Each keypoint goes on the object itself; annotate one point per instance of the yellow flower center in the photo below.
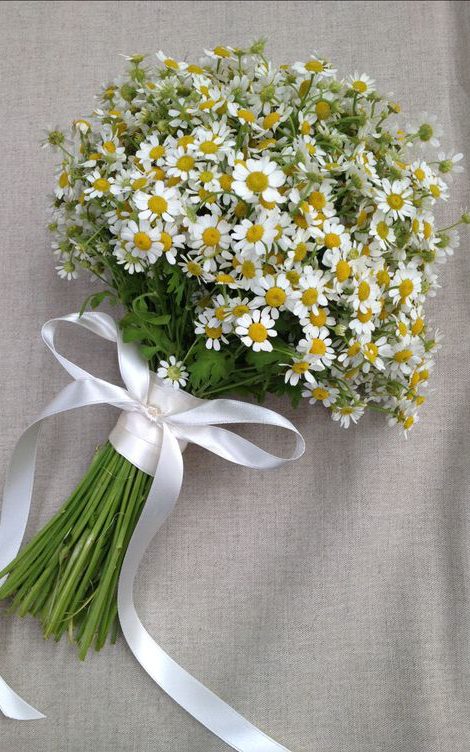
(395, 201)
(382, 229)
(275, 297)
(406, 288)
(257, 332)
(185, 141)
(64, 180)
(435, 190)
(417, 327)
(317, 347)
(305, 128)
(194, 268)
(402, 356)
(170, 63)
(363, 291)
(317, 200)
(239, 310)
(318, 319)
(142, 241)
(332, 240)
(208, 147)
(364, 317)
(419, 173)
(354, 349)
(102, 185)
(371, 352)
(257, 182)
(301, 367)
(309, 296)
(184, 164)
(343, 270)
(255, 233)
(271, 120)
(226, 182)
(220, 313)
(247, 116)
(139, 183)
(314, 66)
(221, 52)
(320, 393)
(211, 236)
(427, 230)
(157, 204)
(383, 277)
(156, 152)
(109, 146)
(323, 109)
(248, 269)
(225, 279)
(300, 251)
(213, 332)
(166, 240)
(359, 86)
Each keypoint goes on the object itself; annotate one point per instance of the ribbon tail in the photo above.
(199, 701)
(13, 706)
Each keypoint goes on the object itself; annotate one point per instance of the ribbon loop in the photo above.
(156, 423)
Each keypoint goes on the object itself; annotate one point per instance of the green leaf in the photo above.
(95, 300)
(211, 367)
(260, 360)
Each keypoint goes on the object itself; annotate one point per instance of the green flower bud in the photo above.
(425, 132)
(465, 218)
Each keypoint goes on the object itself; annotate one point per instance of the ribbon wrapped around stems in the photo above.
(156, 423)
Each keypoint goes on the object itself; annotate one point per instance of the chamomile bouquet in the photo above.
(268, 230)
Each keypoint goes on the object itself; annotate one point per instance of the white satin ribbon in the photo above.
(156, 423)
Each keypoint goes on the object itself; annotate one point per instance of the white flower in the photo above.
(100, 185)
(151, 152)
(381, 228)
(170, 63)
(172, 372)
(210, 234)
(332, 235)
(310, 292)
(257, 236)
(319, 392)
(213, 330)
(161, 202)
(405, 285)
(259, 178)
(130, 261)
(361, 84)
(67, 269)
(169, 241)
(348, 414)
(254, 330)
(180, 164)
(298, 369)
(395, 198)
(141, 240)
(427, 130)
(404, 355)
(318, 348)
(272, 293)
(449, 162)
(314, 67)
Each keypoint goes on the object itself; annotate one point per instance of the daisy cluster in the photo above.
(268, 228)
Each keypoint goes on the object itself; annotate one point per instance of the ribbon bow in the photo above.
(155, 424)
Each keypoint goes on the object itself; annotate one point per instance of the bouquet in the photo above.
(268, 230)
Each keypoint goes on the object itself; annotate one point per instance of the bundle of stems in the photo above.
(67, 575)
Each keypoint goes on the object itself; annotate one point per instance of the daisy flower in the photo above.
(381, 229)
(310, 293)
(300, 368)
(405, 285)
(272, 293)
(100, 185)
(169, 241)
(173, 372)
(332, 235)
(141, 240)
(318, 348)
(361, 84)
(180, 164)
(319, 392)
(213, 330)
(348, 414)
(257, 236)
(426, 129)
(258, 178)
(255, 329)
(395, 198)
(210, 234)
(151, 152)
(161, 202)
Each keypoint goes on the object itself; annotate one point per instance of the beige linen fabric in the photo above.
(327, 602)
